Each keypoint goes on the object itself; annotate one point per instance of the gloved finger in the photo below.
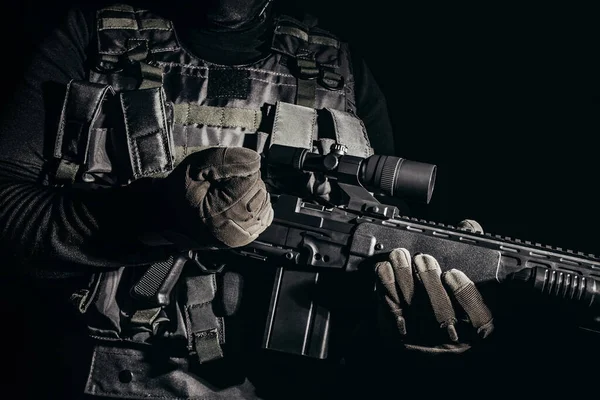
(403, 275)
(217, 163)
(470, 225)
(396, 279)
(429, 273)
(470, 299)
(386, 283)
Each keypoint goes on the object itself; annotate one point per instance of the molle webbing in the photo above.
(285, 124)
(298, 126)
(81, 107)
(122, 28)
(294, 38)
(127, 34)
(314, 53)
(148, 135)
(306, 81)
(224, 117)
(306, 37)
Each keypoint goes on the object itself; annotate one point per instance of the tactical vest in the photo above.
(147, 104)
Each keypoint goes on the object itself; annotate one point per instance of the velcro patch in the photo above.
(228, 83)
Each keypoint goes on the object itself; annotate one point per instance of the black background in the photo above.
(496, 94)
(501, 96)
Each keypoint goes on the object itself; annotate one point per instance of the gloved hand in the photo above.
(417, 305)
(218, 192)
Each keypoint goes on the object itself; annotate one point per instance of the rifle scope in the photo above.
(389, 175)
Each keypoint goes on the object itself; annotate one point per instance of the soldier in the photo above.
(136, 136)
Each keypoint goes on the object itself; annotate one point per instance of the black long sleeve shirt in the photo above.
(54, 228)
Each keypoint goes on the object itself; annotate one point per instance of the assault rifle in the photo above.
(311, 244)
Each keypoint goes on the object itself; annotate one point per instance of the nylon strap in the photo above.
(137, 49)
(305, 96)
(204, 328)
(81, 107)
(224, 117)
(117, 23)
(306, 82)
(152, 77)
(294, 125)
(149, 138)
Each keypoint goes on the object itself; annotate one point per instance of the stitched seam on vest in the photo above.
(165, 133)
(313, 130)
(155, 29)
(89, 379)
(187, 133)
(193, 76)
(364, 131)
(164, 49)
(269, 72)
(190, 66)
(272, 83)
(150, 21)
(200, 304)
(108, 339)
(128, 11)
(61, 128)
(117, 52)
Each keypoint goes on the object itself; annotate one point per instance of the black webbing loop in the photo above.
(331, 80)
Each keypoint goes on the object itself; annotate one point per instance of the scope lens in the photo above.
(398, 177)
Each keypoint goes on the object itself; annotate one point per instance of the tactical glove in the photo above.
(217, 193)
(417, 305)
